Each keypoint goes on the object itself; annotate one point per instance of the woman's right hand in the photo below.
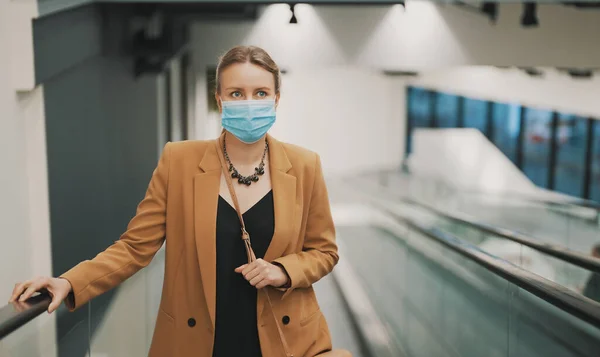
(58, 288)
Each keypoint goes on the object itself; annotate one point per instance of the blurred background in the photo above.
(460, 142)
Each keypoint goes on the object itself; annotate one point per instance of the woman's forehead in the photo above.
(241, 75)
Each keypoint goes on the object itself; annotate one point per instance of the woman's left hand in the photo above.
(261, 273)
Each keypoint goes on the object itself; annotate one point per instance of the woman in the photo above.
(214, 302)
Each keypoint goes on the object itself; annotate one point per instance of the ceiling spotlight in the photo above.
(532, 71)
(491, 10)
(293, 19)
(529, 18)
(578, 72)
(486, 8)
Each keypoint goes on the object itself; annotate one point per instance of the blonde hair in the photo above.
(251, 54)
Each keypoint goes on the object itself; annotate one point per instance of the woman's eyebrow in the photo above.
(241, 89)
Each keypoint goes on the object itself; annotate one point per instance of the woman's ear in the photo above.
(277, 100)
(219, 103)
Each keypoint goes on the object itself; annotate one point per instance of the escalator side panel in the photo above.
(430, 294)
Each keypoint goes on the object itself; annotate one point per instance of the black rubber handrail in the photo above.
(576, 258)
(570, 201)
(563, 298)
(15, 315)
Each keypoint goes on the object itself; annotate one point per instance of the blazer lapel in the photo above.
(206, 199)
(284, 200)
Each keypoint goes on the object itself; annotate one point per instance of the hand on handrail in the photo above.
(21, 306)
(58, 288)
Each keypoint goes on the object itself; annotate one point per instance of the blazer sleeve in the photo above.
(319, 252)
(135, 249)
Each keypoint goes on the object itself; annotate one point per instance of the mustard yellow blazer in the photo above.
(180, 207)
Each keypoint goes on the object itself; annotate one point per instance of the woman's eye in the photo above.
(261, 94)
(236, 94)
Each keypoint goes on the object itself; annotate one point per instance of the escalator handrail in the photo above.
(568, 201)
(563, 298)
(571, 201)
(15, 315)
(576, 258)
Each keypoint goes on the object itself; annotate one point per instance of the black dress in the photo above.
(236, 331)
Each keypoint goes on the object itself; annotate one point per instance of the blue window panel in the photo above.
(419, 111)
(475, 114)
(536, 145)
(571, 143)
(506, 118)
(595, 179)
(446, 110)
(420, 107)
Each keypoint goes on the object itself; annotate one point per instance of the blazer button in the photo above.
(191, 322)
(285, 320)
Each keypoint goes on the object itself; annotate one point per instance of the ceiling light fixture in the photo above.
(486, 8)
(578, 72)
(532, 71)
(293, 19)
(529, 18)
(491, 10)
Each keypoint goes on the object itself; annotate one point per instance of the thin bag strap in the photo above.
(246, 238)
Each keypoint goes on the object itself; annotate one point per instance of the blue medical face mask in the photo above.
(248, 120)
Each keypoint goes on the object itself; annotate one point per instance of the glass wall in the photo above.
(570, 145)
(420, 102)
(447, 110)
(558, 151)
(420, 107)
(506, 121)
(536, 145)
(475, 114)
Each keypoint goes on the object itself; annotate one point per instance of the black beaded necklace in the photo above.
(258, 171)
